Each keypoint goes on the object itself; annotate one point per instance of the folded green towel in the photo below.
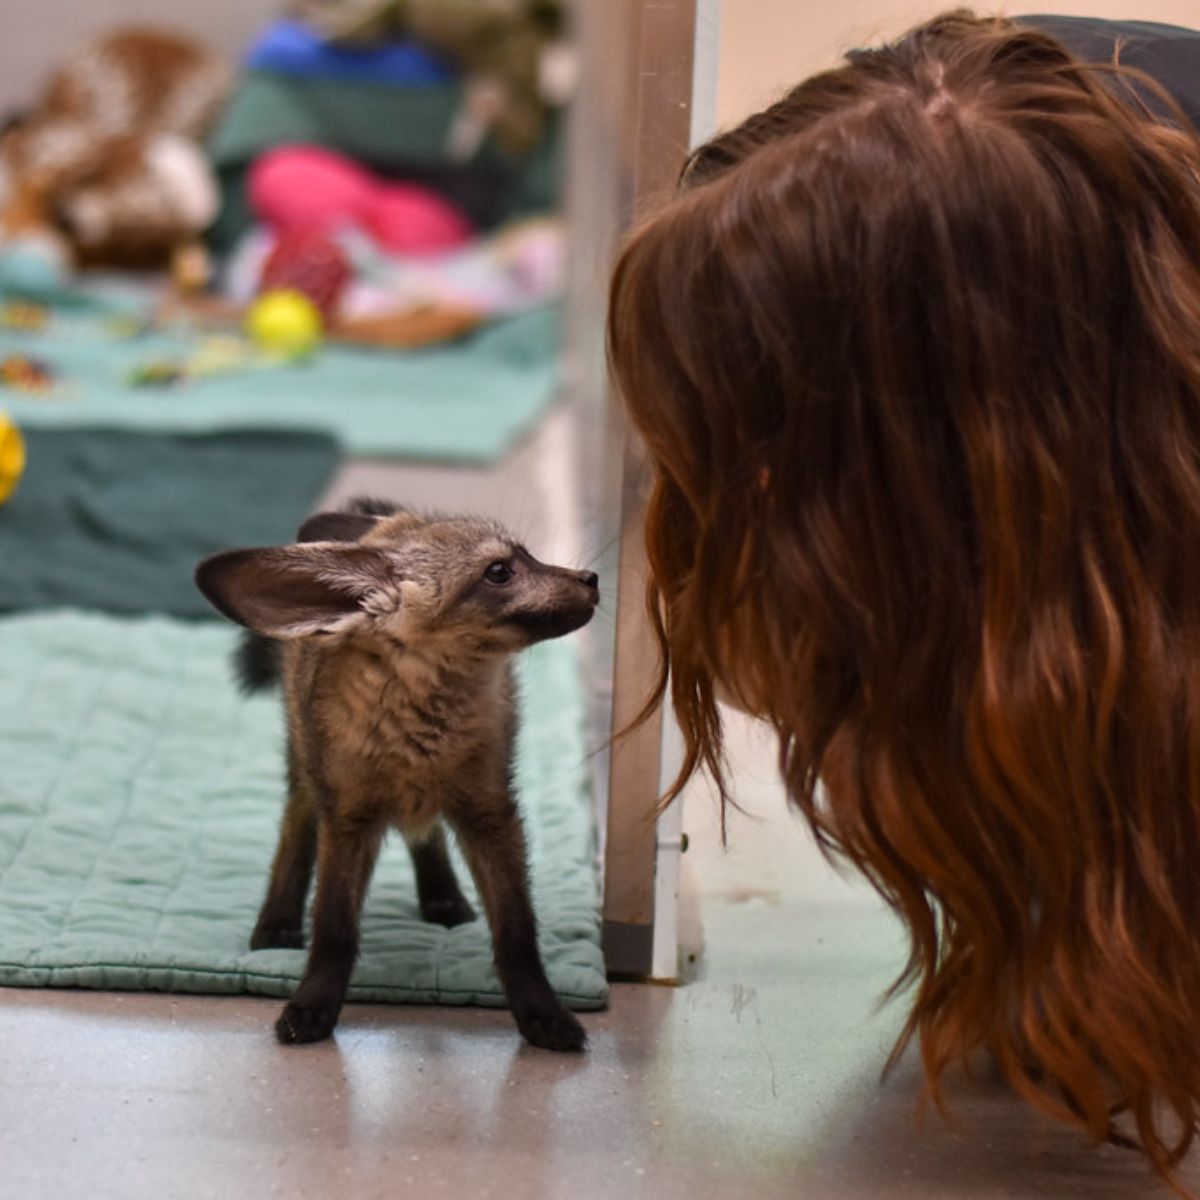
(117, 520)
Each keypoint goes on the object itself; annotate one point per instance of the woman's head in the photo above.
(916, 357)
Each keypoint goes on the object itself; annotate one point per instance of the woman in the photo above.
(916, 356)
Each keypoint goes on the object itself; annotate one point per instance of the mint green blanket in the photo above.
(139, 797)
(465, 402)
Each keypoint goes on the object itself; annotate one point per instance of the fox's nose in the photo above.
(589, 579)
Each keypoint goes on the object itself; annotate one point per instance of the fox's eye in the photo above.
(498, 573)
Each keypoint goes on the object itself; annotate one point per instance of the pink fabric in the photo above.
(305, 188)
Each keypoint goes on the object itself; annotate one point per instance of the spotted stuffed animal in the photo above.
(110, 158)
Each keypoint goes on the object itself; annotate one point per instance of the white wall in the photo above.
(36, 34)
(766, 46)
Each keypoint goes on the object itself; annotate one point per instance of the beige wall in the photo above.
(37, 33)
(768, 45)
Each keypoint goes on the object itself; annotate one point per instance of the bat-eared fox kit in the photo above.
(392, 636)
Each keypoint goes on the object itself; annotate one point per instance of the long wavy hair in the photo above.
(915, 354)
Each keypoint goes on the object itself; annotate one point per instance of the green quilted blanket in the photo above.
(139, 797)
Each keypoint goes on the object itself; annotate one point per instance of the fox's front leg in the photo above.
(493, 843)
(345, 859)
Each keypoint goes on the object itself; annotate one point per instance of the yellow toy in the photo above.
(285, 322)
(12, 457)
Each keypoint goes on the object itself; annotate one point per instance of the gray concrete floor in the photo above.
(757, 1077)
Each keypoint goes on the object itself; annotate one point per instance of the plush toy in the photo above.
(307, 188)
(308, 262)
(109, 161)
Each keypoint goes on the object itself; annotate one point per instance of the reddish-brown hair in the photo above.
(916, 355)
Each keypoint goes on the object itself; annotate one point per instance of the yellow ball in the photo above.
(12, 457)
(285, 322)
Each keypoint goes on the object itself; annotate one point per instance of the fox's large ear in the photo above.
(335, 527)
(351, 523)
(298, 591)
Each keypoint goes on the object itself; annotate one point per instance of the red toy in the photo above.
(306, 261)
(306, 188)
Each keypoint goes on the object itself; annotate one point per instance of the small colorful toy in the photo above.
(12, 457)
(158, 374)
(127, 326)
(191, 267)
(221, 355)
(308, 262)
(213, 356)
(285, 322)
(20, 373)
(23, 316)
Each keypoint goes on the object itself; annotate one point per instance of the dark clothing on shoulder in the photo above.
(1169, 54)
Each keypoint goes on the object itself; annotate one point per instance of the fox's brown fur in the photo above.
(397, 636)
